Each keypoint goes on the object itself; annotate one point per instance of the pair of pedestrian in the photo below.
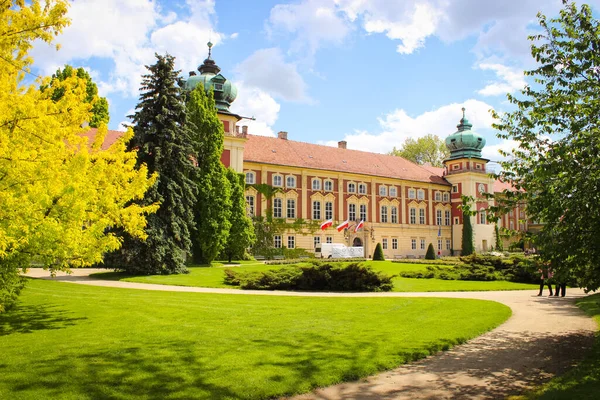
(545, 276)
(562, 287)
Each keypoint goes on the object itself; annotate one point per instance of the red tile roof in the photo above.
(110, 138)
(269, 150)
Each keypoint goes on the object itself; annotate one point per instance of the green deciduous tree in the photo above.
(557, 129)
(428, 149)
(59, 193)
(99, 112)
(163, 144)
(266, 227)
(213, 206)
(241, 234)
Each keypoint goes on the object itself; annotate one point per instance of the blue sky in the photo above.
(371, 72)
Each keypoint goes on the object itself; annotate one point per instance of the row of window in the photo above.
(327, 185)
(387, 213)
(423, 243)
(291, 241)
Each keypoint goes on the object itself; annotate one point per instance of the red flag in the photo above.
(326, 224)
(360, 225)
(343, 225)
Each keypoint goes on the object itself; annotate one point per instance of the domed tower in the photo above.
(225, 93)
(466, 171)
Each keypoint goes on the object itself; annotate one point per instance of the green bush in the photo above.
(378, 254)
(353, 277)
(440, 261)
(477, 267)
(430, 255)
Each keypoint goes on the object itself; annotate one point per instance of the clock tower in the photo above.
(466, 170)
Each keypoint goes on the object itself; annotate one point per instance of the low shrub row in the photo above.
(315, 261)
(353, 277)
(439, 261)
(474, 267)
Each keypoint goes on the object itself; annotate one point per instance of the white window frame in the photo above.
(438, 196)
(275, 183)
(277, 241)
(328, 239)
(316, 241)
(447, 215)
(316, 184)
(328, 185)
(291, 242)
(438, 217)
(413, 244)
(383, 214)
(362, 212)
(420, 194)
(412, 193)
(393, 191)
(454, 188)
(351, 187)
(394, 214)
(422, 217)
(384, 243)
(250, 178)
(290, 208)
(448, 244)
(316, 210)
(250, 201)
(383, 190)
(440, 245)
(277, 207)
(290, 181)
(394, 243)
(328, 210)
(423, 244)
(446, 197)
(413, 215)
(362, 188)
(482, 217)
(352, 211)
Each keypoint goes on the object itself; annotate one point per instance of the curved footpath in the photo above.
(543, 337)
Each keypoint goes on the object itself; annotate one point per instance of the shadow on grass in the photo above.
(28, 319)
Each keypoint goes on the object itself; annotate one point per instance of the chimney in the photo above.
(244, 130)
(282, 135)
(342, 144)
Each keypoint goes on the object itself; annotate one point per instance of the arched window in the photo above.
(482, 217)
(277, 181)
(250, 180)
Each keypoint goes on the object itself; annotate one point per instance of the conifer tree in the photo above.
(163, 144)
(467, 234)
(213, 205)
(241, 233)
(378, 253)
(430, 255)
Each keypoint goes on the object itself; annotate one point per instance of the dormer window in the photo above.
(290, 181)
(218, 86)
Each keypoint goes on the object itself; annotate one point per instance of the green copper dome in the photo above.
(465, 142)
(224, 90)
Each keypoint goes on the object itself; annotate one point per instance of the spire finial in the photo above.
(463, 110)
(210, 45)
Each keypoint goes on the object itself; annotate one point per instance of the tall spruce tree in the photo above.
(213, 205)
(241, 234)
(163, 144)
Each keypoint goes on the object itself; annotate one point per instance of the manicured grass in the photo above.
(583, 381)
(69, 341)
(213, 277)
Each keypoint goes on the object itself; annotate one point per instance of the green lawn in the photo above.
(582, 382)
(68, 341)
(213, 277)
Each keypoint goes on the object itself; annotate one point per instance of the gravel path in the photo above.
(543, 337)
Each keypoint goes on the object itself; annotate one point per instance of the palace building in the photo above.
(392, 201)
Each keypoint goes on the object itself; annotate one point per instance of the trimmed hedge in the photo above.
(430, 255)
(353, 277)
(428, 262)
(474, 267)
(378, 253)
(313, 261)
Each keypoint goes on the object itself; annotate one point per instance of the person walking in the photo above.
(546, 275)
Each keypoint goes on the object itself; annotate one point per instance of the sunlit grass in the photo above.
(67, 341)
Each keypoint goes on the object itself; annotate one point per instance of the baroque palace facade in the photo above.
(385, 199)
(402, 205)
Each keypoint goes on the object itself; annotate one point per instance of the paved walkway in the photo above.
(544, 337)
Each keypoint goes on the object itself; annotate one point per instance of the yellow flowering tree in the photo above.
(60, 191)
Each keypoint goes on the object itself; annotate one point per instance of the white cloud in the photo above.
(234, 35)
(397, 126)
(315, 23)
(253, 102)
(267, 70)
(511, 79)
(492, 152)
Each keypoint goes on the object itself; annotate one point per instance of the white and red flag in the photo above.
(360, 225)
(326, 224)
(343, 225)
